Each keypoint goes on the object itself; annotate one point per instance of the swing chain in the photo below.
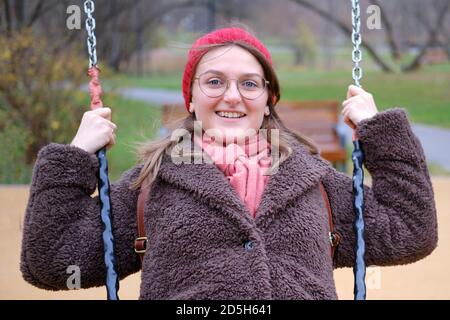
(356, 40)
(90, 28)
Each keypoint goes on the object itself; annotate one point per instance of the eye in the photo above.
(249, 84)
(214, 82)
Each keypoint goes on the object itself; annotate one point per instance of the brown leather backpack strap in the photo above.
(140, 244)
(335, 238)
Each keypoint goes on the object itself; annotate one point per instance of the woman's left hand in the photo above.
(358, 106)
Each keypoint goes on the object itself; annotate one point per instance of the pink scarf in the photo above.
(243, 165)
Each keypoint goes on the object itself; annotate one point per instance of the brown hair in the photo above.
(150, 153)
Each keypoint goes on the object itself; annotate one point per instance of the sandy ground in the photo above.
(426, 279)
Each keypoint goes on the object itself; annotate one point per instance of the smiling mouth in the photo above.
(230, 115)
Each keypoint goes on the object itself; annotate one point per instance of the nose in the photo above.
(232, 94)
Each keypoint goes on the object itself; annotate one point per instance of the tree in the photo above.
(304, 45)
(434, 28)
(38, 92)
(120, 32)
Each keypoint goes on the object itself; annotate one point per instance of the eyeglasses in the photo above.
(214, 85)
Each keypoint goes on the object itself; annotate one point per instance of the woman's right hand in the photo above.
(96, 131)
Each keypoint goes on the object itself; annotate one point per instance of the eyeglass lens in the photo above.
(214, 85)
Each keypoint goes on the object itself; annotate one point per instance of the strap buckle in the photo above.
(335, 238)
(140, 245)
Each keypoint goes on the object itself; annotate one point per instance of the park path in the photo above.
(435, 140)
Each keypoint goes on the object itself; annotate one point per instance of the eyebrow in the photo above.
(222, 74)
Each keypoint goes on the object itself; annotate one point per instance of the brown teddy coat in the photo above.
(203, 243)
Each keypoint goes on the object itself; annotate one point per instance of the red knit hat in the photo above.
(216, 37)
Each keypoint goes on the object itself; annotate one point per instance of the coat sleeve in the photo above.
(63, 226)
(400, 212)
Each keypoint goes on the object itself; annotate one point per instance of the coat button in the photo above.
(249, 246)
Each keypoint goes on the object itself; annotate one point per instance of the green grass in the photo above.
(171, 81)
(136, 122)
(425, 95)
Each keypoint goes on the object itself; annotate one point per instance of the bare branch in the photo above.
(421, 17)
(395, 52)
(347, 30)
(7, 16)
(19, 12)
(432, 38)
(36, 13)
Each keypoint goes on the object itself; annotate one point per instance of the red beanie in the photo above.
(216, 37)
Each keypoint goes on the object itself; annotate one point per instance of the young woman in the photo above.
(249, 221)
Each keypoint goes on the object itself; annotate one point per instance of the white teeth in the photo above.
(231, 114)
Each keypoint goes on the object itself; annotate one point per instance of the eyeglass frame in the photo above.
(266, 82)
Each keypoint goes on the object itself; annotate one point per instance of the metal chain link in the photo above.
(90, 28)
(356, 40)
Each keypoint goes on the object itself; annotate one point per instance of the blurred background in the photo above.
(141, 49)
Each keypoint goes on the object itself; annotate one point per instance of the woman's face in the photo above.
(219, 64)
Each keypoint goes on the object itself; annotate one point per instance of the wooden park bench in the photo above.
(318, 120)
(314, 119)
